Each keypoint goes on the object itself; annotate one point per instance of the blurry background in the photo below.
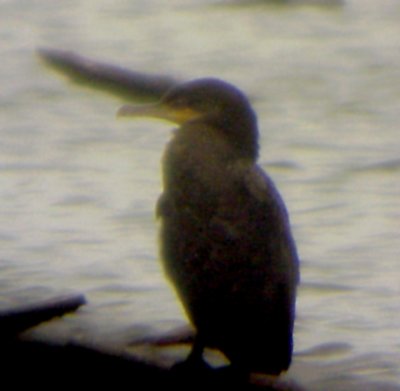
(78, 187)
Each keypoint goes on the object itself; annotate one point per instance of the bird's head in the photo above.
(210, 101)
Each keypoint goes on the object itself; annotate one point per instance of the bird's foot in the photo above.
(231, 375)
(192, 366)
(192, 373)
(200, 373)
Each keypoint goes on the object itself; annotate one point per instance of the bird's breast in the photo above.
(197, 168)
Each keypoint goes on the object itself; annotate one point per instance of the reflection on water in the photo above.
(78, 188)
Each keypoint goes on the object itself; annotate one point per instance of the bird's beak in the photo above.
(159, 111)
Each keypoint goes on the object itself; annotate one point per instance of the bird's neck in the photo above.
(240, 131)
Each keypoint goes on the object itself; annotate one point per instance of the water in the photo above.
(78, 187)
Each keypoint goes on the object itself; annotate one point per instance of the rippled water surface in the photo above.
(78, 187)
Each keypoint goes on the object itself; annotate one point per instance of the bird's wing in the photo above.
(255, 217)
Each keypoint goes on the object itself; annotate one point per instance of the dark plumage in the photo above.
(226, 242)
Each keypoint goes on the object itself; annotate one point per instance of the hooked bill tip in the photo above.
(125, 111)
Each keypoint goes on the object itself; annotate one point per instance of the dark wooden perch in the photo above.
(13, 321)
(123, 83)
(26, 361)
(44, 364)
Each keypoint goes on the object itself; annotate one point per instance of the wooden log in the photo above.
(44, 364)
(13, 321)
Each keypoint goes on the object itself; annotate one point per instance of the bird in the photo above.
(226, 241)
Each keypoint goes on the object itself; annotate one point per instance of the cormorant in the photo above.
(226, 242)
